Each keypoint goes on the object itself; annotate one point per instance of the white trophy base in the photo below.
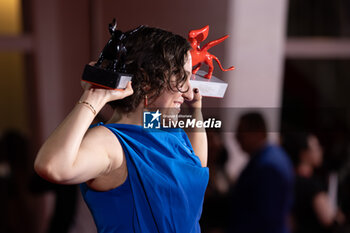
(213, 87)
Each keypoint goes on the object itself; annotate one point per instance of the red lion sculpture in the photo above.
(200, 55)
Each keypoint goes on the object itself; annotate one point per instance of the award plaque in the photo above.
(109, 71)
(213, 87)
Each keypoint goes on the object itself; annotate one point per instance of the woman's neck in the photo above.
(131, 118)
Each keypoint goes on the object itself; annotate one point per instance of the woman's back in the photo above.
(112, 210)
(164, 189)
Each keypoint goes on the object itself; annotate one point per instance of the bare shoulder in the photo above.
(99, 133)
(102, 139)
(116, 174)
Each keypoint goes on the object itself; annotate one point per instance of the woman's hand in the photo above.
(196, 101)
(103, 96)
(98, 97)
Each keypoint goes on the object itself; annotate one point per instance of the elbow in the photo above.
(49, 172)
(46, 172)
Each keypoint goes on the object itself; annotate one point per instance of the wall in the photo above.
(13, 102)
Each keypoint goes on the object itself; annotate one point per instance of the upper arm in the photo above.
(199, 144)
(99, 153)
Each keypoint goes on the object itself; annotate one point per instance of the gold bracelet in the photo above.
(88, 105)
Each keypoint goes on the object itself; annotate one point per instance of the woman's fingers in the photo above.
(196, 94)
(85, 85)
(196, 102)
(197, 98)
(126, 92)
(109, 95)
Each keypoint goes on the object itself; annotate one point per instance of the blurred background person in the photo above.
(313, 209)
(262, 197)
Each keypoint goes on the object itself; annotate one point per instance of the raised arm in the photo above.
(198, 137)
(72, 153)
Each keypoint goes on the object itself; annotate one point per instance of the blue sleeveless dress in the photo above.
(164, 189)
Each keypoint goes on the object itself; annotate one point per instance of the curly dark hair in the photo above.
(153, 57)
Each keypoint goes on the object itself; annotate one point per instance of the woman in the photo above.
(135, 180)
(313, 211)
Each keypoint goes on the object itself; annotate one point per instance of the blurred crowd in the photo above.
(285, 186)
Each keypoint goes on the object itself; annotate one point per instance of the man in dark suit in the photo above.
(262, 197)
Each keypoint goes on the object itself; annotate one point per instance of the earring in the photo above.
(145, 101)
